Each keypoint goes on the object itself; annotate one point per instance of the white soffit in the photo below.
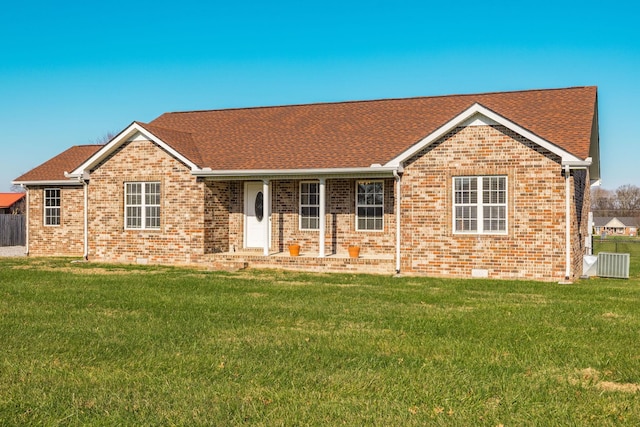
(134, 132)
(478, 120)
(138, 136)
(478, 115)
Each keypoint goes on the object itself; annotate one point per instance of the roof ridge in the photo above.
(307, 104)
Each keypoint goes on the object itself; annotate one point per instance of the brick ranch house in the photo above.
(489, 185)
(622, 225)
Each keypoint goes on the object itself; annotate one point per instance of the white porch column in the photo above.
(398, 216)
(267, 215)
(323, 219)
(567, 196)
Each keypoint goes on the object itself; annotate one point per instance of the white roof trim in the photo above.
(465, 118)
(57, 183)
(373, 171)
(126, 135)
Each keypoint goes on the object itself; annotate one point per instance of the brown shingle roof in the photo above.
(345, 134)
(358, 134)
(54, 169)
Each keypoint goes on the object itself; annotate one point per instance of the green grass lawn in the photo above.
(89, 344)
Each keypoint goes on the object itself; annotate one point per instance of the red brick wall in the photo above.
(181, 236)
(534, 245)
(216, 217)
(65, 239)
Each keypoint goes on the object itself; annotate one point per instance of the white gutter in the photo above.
(26, 234)
(266, 207)
(568, 165)
(323, 219)
(83, 179)
(398, 234)
(242, 173)
(86, 220)
(578, 164)
(54, 182)
(567, 272)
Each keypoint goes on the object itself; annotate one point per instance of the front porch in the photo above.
(335, 263)
(251, 224)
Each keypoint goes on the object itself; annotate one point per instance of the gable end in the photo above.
(478, 115)
(135, 131)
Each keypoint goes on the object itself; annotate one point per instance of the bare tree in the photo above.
(602, 200)
(628, 199)
(104, 139)
(15, 188)
(624, 201)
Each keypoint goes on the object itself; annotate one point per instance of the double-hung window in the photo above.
(309, 205)
(51, 206)
(369, 205)
(142, 205)
(480, 204)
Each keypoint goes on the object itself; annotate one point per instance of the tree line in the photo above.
(621, 202)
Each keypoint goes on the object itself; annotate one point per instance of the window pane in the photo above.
(309, 205)
(480, 206)
(152, 216)
(134, 217)
(494, 218)
(52, 206)
(142, 205)
(466, 218)
(370, 205)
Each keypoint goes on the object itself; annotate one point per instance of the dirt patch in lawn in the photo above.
(590, 377)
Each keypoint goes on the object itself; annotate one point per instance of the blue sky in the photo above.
(70, 72)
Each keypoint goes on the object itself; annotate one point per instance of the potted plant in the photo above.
(354, 251)
(294, 249)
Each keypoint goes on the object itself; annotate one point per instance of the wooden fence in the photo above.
(12, 230)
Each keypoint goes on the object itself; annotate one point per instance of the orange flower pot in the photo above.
(294, 249)
(354, 251)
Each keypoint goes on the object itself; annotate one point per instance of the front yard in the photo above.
(90, 344)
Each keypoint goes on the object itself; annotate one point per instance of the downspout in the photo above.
(567, 166)
(86, 220)
(26, 231)
(567, 194)
(398, 236)
(266, 206)
(323, 219)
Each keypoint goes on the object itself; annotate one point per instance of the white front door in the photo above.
(254, 215)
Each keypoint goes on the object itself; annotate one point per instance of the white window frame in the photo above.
(301, 217)
(144, 205)
(493, 199)
(49, 209)
(365, 205)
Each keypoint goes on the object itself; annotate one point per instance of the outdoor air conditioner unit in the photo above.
(613, 265)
